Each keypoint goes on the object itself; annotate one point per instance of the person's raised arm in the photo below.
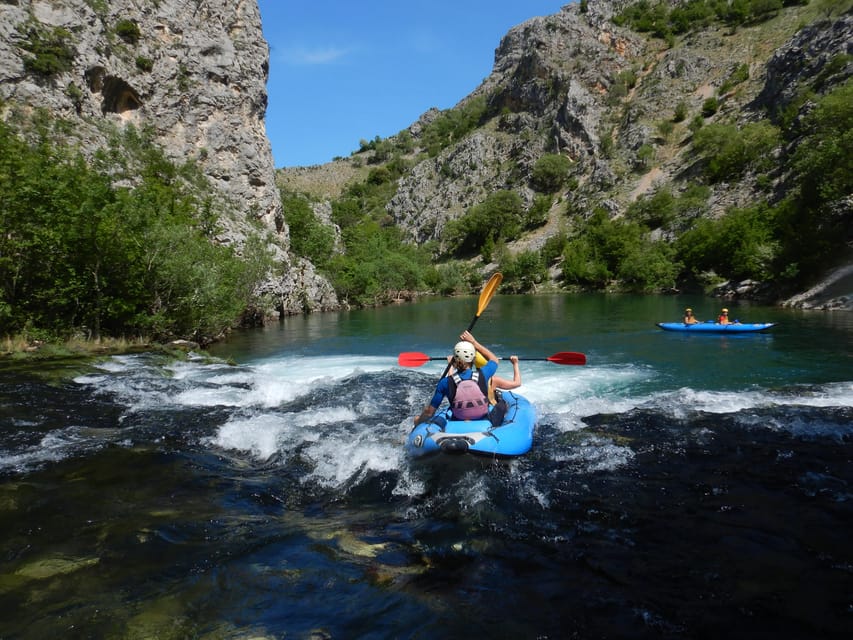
(479, 347)
(503, 383)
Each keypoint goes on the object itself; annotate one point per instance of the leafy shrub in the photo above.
(454, 124)
(537, 215)
(523, 271)
(51, 49)
(729, 151)
(655, 211)
(739, 245)
(128, 31)
(553, 247)
(605, 251)
(376, 265)
(78, 253)
(696, 123)
(814, 225)
(710, 107)
(144, 64)
(550, 172)
(739, 75)
(645, 156)
(498, 217)
(663, 21)
(309, 237)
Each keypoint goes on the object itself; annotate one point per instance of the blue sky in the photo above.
(342, 71)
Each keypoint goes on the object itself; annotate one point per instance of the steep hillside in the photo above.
(193, 74)
(624, 107)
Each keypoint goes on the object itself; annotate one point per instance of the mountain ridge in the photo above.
(555, 88)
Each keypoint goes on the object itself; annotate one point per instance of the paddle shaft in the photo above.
(485, 297)
(416, 359)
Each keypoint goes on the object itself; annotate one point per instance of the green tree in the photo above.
(604, 252)
(741, 244)
(309, 237)
(499, 217)
(550, 172)
(730, 151)
(814, 223)
(81, 254)
(522, 272)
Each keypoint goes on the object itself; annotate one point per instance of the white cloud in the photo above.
(301, 56)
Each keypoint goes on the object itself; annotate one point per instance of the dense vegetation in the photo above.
(81, 254)
(123, 245)
(665, 21)
(663, 241)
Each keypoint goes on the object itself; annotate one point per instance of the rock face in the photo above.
(555, 88)
(193, 71)
(573, 83)
(550, 77)
(808, 54)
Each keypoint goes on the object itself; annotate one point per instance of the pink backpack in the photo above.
(468, 399)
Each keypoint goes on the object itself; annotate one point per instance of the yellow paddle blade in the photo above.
(489, 291)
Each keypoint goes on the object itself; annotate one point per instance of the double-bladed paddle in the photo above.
(485, 297)
(416, 359)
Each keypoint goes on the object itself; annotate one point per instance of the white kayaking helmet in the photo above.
(465, 351)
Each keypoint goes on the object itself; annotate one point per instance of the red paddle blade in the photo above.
(412, 359)
(567, 357)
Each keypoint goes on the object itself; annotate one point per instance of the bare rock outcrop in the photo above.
(193, 72)
(547, 91)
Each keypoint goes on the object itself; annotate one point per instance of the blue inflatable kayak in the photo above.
(712, 327)
(513, 437)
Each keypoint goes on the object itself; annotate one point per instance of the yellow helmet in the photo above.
(725, 310)
(480, 360)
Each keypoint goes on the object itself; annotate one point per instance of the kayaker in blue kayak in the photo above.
(689, 318)
(467, 390)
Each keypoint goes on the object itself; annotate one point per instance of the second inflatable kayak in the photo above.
(714, 327)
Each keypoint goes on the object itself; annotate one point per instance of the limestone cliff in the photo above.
(192, 71)
(605, 96)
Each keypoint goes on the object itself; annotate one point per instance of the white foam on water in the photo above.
(53, 447)
(565, 397)
(116, 364)
(259, 435)
(345, 442)
(684, 402)
(346, 457)
(265, 435)
(273, 382)
(90, 380)
(597, 454)
(614, 390)
(200, 383)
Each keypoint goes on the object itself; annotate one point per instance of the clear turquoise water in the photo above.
(680, 486)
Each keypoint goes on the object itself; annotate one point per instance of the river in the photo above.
(679, 486)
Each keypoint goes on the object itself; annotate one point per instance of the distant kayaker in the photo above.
(467, 389)
(689, 318)
(724, 317)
